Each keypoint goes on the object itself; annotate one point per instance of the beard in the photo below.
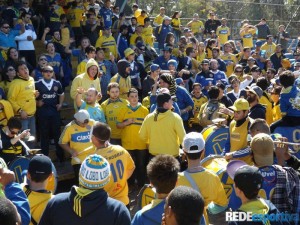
(251, 99)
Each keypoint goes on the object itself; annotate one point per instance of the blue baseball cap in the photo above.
(154, 67)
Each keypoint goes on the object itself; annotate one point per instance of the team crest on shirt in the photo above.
(55, 88)
(116, 106)
(296, 102)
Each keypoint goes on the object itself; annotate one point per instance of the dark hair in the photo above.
(174, 14)
(186, 204)
(8, 212)
(216, 49)
(287, 78)
(209, 43)
(14, 123)
(132, 90)
(246, 48)
(168, 37)
(260, 125)
(101, 131)
(262, 82)
(213, 92)
(8, 52)
(189, 50)
(196, 84)
(272, 70)
(89, 49)
(19, 64)
(193, 156)
(24, 13)
(113, 85)
(4, 71)
(162, 172)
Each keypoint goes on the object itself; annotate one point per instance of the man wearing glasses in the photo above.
(75, 139)
(49, 104)
(10, 146)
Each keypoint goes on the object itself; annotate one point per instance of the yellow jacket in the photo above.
(166, 128)
(21, 95)
(6, 113)
(83, 80)
(268, 104)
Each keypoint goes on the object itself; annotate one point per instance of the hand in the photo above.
(74, 153)
(29, 38)
(58, 107)
(282, 150)
(225, 111)
(80, 90)
(39, 103)
(130, 121)
(46, 30)
(25, 133)
(99, 96)
(36, 93)
(111, 57)
(6, 176)
(228, 156)
(23, 115)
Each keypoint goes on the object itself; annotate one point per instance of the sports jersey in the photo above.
(164, 128)
(55, 62)
(6, 112)
(9, 152)
(269, 49)
(111, 110)
(137, 13)
(96, 112)
(289, 104)
(148, 34)
(107, 42)
(140, 19)
(158, 20)
(21, 95)
(106, 14)
(175, 23)
(134, 36)
(208, 53)
(120, 163)
(196, 26)
(248, 37)
(230, 61)
(84, 81)
(266, 101)
(212, 189)
(75, 15)
(198, 102)
(38, 201)
(49, 94)
(129, 135)
(78, 138)
(124, 84)
(201, 56)
(223, 33)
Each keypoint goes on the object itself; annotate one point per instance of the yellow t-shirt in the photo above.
(124, 84)
(111, 110)
(129, 136)
(268, 104)
(158, 20)
(238, 138)
(120, 163)
(248, 37)
(198, 102)
(175, 23)
(140, 19)
(195, 26)
(78, 138)
(134, 36)
(107, 42)
(223, 33)
(209, 185)
(75, 15)
(65, 36)
(230, 60)
(270, 49)
(201, 56)
(148, 34)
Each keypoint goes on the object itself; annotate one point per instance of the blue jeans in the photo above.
(29, 123)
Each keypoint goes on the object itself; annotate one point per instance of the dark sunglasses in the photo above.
(11, 69)
(13, 132)
(41, 59)
(47, 71)
(5, 27)
(238, 71)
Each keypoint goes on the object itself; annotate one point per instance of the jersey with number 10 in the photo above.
(120, 162)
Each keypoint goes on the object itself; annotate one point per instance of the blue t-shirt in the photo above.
(96, 112)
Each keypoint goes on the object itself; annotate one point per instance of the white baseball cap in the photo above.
(193, 142)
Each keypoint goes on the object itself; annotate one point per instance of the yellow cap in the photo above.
(240, 104)
(128, 51)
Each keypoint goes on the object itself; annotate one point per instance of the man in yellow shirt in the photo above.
(160, 17)
(229, 58)
(163, 126)
(269, 46)
(130, 120)
(138, 33)
(111, 108)
(121, 163)
(21, 96)
(140, 19)
(196, 27)
(75, 139)
(223, 32)
(108, 42)
(247, 32)
(212, 190)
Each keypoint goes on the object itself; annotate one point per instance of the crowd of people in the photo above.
(145, 88)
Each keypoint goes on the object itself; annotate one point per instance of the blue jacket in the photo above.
(154, 106)
(161, 34)
(15, 194)
(184, 100)
(288, 101)
(163, 64)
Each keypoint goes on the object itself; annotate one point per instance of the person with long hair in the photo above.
(201, 54)
(170, 39)
(8, 74)
(176, 24)
(211, 43)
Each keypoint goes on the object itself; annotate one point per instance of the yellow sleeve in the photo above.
(130, 164)
(81, 67)
(121, 114)
(132, 39)
(218, 196)
(179, 129)
(144, 132)
(98, 87)
(65, 136)
(99, 42)
(217, 31)
(12, 96)
(74, 86)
